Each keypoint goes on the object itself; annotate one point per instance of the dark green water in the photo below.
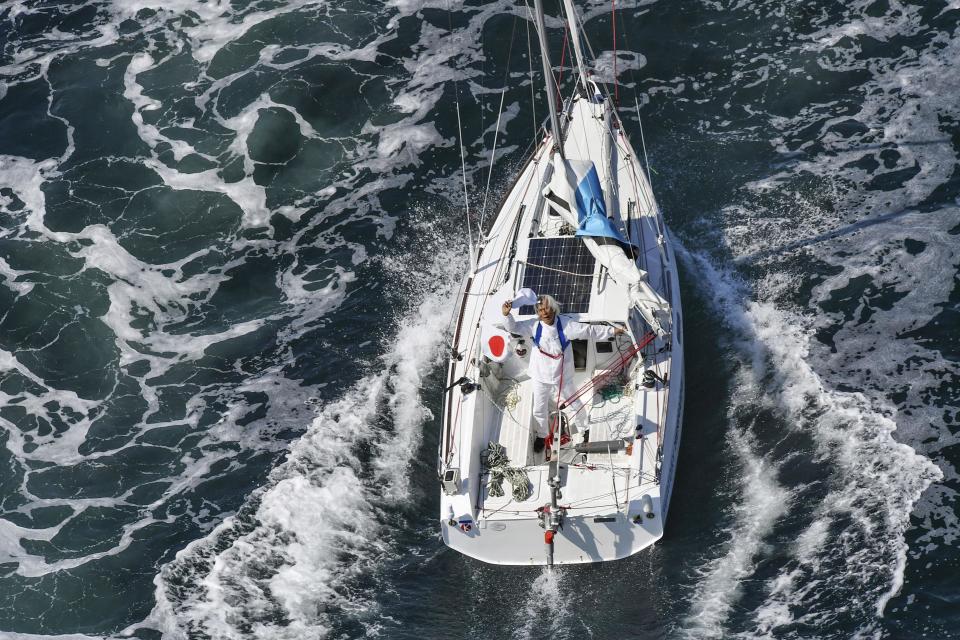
(231, 236)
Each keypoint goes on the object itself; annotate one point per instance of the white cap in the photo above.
(523, 297)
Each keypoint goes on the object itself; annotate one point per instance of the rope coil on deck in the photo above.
(495, 459)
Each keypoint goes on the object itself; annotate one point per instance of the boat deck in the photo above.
(611, 416)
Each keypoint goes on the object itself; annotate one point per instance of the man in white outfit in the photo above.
(551, 362)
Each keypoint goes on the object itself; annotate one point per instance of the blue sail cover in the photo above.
(591, 211)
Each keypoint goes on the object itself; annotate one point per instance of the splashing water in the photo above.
(549, 607)
(297, 554)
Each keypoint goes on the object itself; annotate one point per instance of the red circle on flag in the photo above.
(497, 345)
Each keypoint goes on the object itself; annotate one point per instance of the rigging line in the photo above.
(496, 132)
(660, 419)
(553, 86)
(593, 56)
(608, 374)
(579, 61)
(577, 81)
(568, 37)
(636, 101)
(626, 41)
(481, 101)
(615, 120)
(506, 246)
(563, 57)
(585, 503)
(568, 106)
(463, 169)
(463, 157)
(653, 216)
(533, 93)
(546, 63)
(613, 479)
(643, 144)
(616, 87)
(636, 183)
(473, 335)
(624, 148)
(503, 251)
(493, 152)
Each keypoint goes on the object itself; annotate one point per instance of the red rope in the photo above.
(548, 442)
(591, 383)
(602, 377)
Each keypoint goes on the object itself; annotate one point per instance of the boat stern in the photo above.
(580, 539)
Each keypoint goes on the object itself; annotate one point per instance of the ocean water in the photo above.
(231, 237)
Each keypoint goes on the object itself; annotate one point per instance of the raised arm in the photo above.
(517, 327)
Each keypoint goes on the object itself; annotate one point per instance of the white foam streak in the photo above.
(623, 61)
(134, 93)
(26, 178)
(548, 607)
(10, 276)
(763, 501)
(877, 210)
(219, 22)
(134, 285)
(56, 448)
(249, 196)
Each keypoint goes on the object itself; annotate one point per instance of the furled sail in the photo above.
(575, 192)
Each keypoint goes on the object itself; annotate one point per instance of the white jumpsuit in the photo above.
(545, 372)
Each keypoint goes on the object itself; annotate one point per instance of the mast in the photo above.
(575, 38)
(548, 75)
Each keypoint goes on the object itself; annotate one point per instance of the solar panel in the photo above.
(562, 268)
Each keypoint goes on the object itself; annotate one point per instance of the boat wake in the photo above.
(548, 609)
(762, 503)
(302, 557)
(839, 278)
(825, 490)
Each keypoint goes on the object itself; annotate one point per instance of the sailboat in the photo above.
(579, 225)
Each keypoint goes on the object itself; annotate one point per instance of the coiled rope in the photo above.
(496, 460)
